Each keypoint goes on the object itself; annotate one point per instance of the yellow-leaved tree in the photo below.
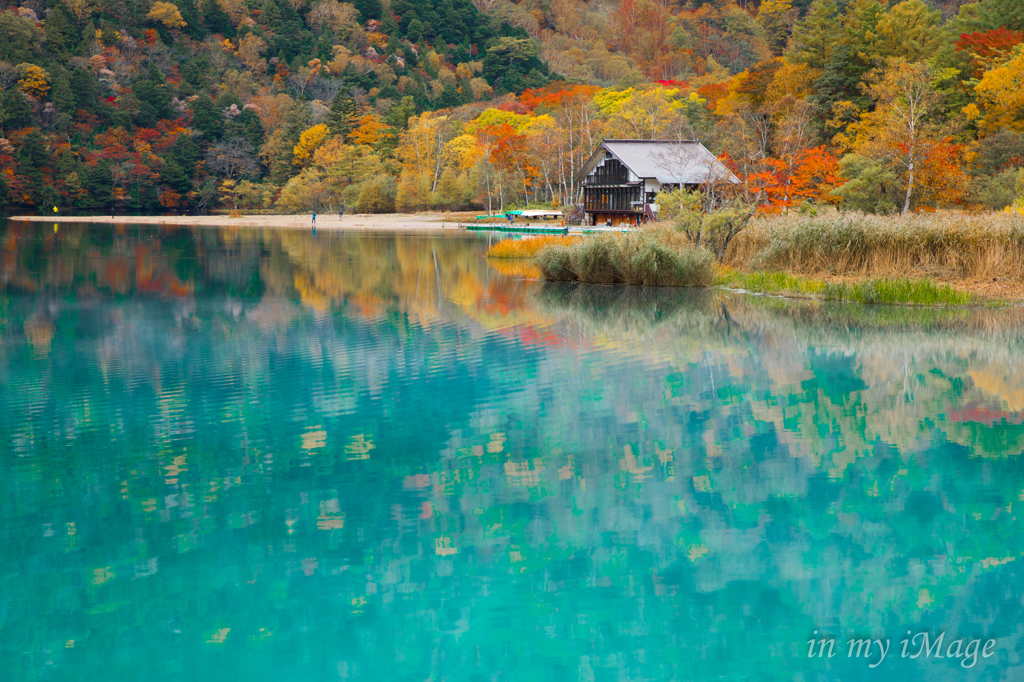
(309, 140)
(1000, 97)
(34, 82)
(650, 114)
(421, 149)
(167, 14)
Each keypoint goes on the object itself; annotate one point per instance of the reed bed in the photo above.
(527, 247)
(632, 258)
(943, 245)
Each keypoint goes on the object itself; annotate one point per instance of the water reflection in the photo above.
(273, 454)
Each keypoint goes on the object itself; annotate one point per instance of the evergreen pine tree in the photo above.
(368, 9)
(342, 117)
(61, 36)
(15, 111)
(83, 87)
(774, 18)
(814, 37)
(215, 18)
(61, 95)
(415, 30)
(188, 12)
(248, 127)
(291, 22)
(911, 30)
(175, 177)
(860, 30)
(989, 14)
(839, 83)
(31, 157)
(207, 118)
(270, 15)
(99, 186)
(154, 98)
(389, 26)
(185, 152)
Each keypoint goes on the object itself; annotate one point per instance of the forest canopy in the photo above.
(306, 105)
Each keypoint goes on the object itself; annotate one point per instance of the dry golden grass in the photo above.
(632, 258)
(946, 245)
(528, 247)
(519, 269)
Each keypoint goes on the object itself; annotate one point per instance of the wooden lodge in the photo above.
(621, 179)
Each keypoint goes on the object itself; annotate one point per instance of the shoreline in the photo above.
(1001, 292)
(328, 221)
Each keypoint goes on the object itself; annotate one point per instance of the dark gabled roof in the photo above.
(684, 162)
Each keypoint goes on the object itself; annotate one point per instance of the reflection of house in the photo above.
(622, 178)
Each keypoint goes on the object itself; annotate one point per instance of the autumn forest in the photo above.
(406, 105)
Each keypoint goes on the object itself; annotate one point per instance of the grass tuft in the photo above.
(631, 258)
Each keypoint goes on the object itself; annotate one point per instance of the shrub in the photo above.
(377, 195)
(995, 192)
(703, 225)
(873, 187)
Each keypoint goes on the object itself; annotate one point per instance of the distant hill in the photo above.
(298, 105)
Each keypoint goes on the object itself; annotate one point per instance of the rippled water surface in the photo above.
(272, 455)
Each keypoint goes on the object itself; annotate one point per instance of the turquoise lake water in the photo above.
(272, 455)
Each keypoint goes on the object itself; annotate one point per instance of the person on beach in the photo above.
(341, 213)
(314, 221)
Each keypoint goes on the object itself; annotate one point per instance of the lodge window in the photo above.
(612, 172)
(611, 198)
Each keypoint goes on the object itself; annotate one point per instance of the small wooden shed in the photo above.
(621, 179)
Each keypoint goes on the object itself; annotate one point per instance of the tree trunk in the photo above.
(910, 189)
(437, 162)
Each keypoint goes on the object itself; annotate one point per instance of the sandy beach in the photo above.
(324, 221)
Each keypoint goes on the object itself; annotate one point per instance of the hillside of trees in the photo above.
(376, 106)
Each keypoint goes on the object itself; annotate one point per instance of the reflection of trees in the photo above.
(454, 462)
